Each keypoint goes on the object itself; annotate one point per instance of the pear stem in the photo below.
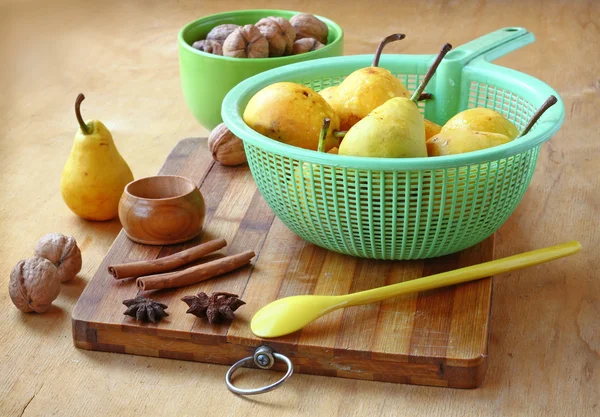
(445, 49)
(551, 101)
(82, 125)
(383, 43)
(323, 134)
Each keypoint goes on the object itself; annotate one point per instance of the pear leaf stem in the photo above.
(445, 49)
(551, 101)
(383, 43)
(82, 125)
(323, 134)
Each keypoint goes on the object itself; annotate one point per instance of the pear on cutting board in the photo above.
(396, 129)
(95, 174)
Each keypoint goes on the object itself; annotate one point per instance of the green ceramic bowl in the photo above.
(207, 78)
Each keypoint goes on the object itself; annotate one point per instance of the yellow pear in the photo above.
(365, 89)
(393, 130)
(431, 129)
(328, 93)
(455, 141)
(482, 120)
(465, 131)
(95, 174)
(291, 113)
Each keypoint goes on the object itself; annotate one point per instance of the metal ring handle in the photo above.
(259, 359)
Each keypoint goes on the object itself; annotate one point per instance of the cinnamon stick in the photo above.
(167, 263)
(194, 274)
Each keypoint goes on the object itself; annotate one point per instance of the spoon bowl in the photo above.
(293, 313)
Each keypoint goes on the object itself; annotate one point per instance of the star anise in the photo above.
(144, 309)
(218, 307)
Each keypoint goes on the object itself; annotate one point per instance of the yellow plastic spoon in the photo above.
(287, 315)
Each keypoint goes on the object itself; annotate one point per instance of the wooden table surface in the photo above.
(545, 339)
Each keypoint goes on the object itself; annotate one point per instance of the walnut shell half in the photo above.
(225, 147)
(306, 45)
(33, 285)
(221, 32)
(279, 33)
(63, 252)
(211, 47)
(246, 42)
(308, 26)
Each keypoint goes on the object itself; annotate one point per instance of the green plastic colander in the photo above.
(404, 208)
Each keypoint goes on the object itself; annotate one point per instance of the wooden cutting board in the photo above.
(436, 337)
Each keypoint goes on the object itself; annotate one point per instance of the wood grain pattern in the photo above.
(442, 339)
(544, 347)
(161, 210)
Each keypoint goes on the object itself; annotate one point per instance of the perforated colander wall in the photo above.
(399, 214)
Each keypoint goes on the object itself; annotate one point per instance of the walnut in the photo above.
(246, 42)
(221, 32)
(225, 147)
(34, 284)
(211, 47)
(63, 252)
(279, 33)
(306, 45)
(308, 26)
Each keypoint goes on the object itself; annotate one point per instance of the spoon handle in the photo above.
(469, 273)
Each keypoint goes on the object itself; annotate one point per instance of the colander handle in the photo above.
(492, 46)
(448, 79)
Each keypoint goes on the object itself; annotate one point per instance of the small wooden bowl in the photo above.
(162, 210)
